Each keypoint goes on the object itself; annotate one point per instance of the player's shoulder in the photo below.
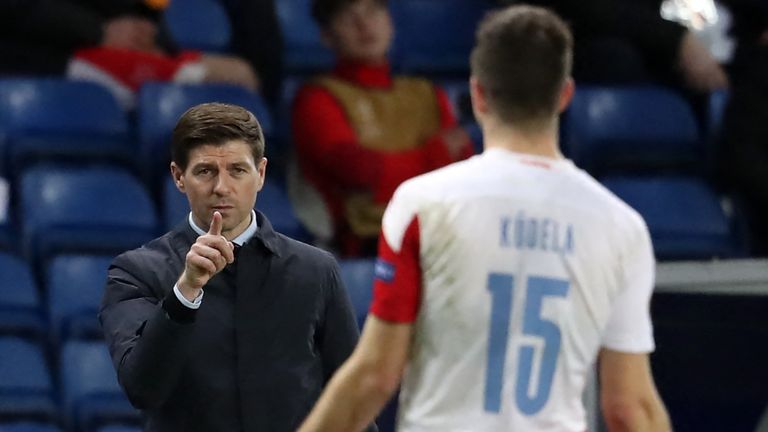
(438, 183)
(604, 201)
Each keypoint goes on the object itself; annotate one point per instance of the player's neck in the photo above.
(537, 142)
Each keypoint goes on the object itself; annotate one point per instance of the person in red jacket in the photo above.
(359, 131)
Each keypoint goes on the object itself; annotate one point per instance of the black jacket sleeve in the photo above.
(339, 332)
(147, 334)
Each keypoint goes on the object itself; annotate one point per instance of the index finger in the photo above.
(216, 224)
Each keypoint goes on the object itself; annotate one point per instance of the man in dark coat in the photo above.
(275, 323)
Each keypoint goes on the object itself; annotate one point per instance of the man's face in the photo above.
(361, 32)
(222, 178)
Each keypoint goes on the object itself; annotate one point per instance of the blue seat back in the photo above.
(91, 394)
(304, 50)
(20, 309)
(26, 388)
(84, 209)
(615, 128)
(357, 275)
(75, 285)
(436, 36)
(683, 214)
(26, 426)
(274, 203)
(55, 118)
(199, 25)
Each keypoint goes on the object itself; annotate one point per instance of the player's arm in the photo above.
(366, 381)
(628, 395)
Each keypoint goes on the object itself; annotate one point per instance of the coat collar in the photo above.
(265, 235)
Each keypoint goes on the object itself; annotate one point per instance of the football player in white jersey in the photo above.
(502, 279)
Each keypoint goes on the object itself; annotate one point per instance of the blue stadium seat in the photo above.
(75, 284)
(91, 395)
(718, 100)
(96, 209)
(59, 119)
(684, 216)
(436, 36)
(617, 128)
(274, 203)
(199, 24)
(457, 91)
(116, 428)
(20, 310)
(175, 205)
(26, 388)
(357, 275)
(303, 51)
(28, 427)
(160, 106)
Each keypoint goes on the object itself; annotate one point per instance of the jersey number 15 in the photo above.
(501, 287)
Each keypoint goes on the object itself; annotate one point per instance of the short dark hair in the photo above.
(323, 11)
(215, 124)
(522, 57)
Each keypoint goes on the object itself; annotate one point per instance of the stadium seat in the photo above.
(26, 388)
(28, 427)
(274, 203)
(119, 428)
(44, 119)
(94, 209)
(91, 395)
(611, 129)
(303, 51)
(436, 36)
(199, 25)
(161, 104)
(684, 216)
(357, 275)
(75, 284)
(20, 310)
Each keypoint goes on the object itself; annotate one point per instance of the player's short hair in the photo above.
(522, 57)
(324, 11)
(215, 124)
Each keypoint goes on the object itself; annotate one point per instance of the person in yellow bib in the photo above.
(360, 131)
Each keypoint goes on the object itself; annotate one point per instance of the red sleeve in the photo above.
(326, 141)
(397, 286)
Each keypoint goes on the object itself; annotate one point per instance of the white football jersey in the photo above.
(514, 270)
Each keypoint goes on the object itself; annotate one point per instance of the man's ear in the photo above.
(261, 168)
(479, 98)
(566, 95)
(178, 176)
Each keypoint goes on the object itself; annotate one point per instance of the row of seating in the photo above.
(75, 208)
(55, 119)
(415, 50)
(81, 393)
(64, 304)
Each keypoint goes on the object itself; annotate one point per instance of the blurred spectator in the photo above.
(119, 43)
(628, 42)
(359, 131)
(257, 38)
